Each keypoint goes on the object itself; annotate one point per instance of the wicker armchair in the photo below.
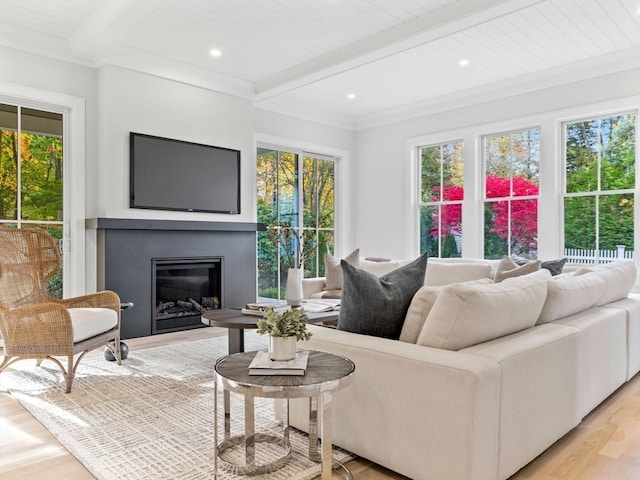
(35, 325)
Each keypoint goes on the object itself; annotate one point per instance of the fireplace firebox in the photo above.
(183, 289)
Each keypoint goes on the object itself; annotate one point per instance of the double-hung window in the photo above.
(599, 183)
(295, 189)
(441, 195)
(511, 161)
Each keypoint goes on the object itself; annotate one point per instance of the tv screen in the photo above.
(168, 174)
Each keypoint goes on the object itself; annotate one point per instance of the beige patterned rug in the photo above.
(150, 418)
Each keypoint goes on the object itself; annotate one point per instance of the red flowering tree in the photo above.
(521, 216)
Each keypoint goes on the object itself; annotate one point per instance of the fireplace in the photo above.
(183, 289)
(125, 250)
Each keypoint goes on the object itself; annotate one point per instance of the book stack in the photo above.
(259, 309)
(263, 365)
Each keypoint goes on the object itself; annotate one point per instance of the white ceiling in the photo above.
(303, 57)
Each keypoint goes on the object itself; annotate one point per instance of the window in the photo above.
(288, 183)
(600, 178)
(511, 162)
(441, 196)
(31, 173)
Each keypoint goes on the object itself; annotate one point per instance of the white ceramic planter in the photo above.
(293, 292)
(282, 348)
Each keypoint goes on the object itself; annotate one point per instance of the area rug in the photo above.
(150, 418)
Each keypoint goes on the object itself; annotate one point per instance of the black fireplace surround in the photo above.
(129, 249)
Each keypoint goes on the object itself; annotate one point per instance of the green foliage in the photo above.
(285, 324)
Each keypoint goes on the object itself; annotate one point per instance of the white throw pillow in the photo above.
(333, 269)
(467, 314)
(620, 276)
(379, 268)
(507, 268)
(571, 294)
(420, 307)
(447, 273)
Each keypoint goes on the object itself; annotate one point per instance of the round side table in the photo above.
(326, 373)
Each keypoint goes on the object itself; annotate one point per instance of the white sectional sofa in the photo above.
(484, 411)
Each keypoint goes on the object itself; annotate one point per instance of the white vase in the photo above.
(293, 292)
(282, 348)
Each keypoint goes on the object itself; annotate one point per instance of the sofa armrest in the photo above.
(423, 412)
(312, 285)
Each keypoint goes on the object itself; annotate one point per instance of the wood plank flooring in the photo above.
(605, 446)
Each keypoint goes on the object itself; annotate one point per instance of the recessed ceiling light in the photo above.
(215, 52)
(464, 62)
(351, 96)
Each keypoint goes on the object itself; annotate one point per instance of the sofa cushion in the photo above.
(377, 306)
(570, 294)
(620, 276)
(468, 314)
(379, 268)
(445, 273)
(507, 268)
(420, 307)
(333, 269)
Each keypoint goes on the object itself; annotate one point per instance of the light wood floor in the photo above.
(605, 446)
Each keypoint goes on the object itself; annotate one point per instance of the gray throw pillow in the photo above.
(377, 306)
(554, 266)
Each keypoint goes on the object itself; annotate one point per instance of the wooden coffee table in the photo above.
(237, 323)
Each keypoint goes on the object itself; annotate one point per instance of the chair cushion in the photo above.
(377, 306)
(89, 322)
(333, 270)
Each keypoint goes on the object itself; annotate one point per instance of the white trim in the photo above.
(73, 110)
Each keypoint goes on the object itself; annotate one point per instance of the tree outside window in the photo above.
(441, 196)
(287, 186)
(600, 158)
(511, 163)
(31, 173)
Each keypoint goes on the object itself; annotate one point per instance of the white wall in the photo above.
(134, 102)
(384, 222)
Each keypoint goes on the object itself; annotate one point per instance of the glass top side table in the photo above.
(326, 373)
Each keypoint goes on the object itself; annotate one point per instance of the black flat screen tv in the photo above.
(167, 174)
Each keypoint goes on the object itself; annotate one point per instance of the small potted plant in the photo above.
(284, 329)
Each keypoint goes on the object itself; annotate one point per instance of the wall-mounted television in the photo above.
(168, 174)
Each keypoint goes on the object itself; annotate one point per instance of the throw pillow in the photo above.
(554, 266)
(379, 268)
(333, 270)
(507, 268)
(464, 314)
(570, 294)
(620, 276)
(420, 307)
(377, 306)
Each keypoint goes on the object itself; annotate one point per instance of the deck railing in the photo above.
(578, 255)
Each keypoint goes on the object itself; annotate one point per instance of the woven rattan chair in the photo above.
(35, 325)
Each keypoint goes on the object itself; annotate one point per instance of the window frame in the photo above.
(598, 193)
(441, 202)
(511, 197)
(302, 149)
